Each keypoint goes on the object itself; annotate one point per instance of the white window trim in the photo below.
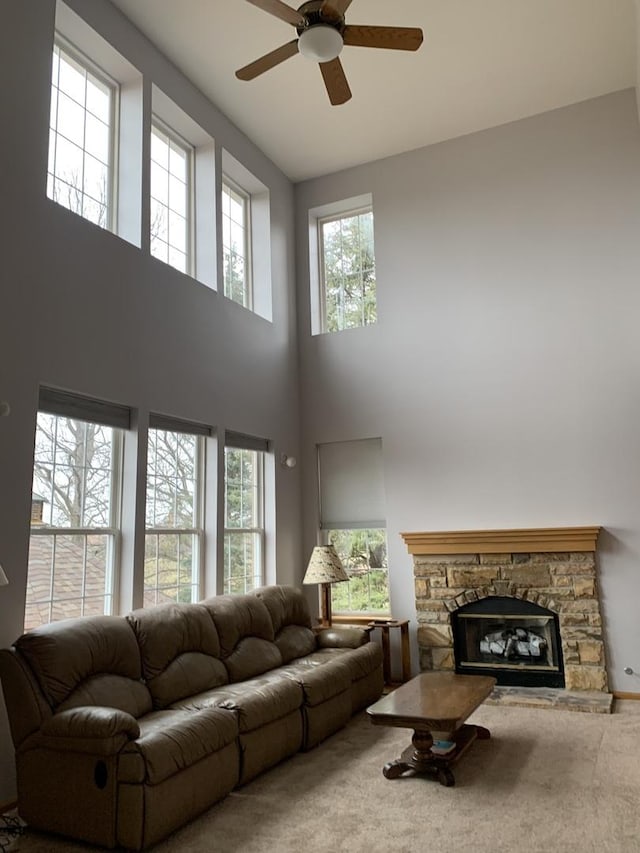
(326, 537)
(64, 44)
(258, 232)
(190, 150)
(112, 531)
(197, 531)
(229, 183)
(260, 529)
(333, 210)
(345, 214)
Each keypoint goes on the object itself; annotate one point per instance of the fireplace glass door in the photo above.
(516, 641)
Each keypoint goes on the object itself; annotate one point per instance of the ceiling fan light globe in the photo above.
(321, 43)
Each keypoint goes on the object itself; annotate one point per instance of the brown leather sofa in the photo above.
(127, 727)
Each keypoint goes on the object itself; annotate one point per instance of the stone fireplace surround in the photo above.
(552, 567)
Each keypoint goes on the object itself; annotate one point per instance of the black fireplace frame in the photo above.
(508, 674)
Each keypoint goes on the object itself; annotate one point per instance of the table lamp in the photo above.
(325, 568)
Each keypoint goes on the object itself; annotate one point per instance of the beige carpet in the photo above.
(548, 780)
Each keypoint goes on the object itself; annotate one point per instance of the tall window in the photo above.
(348, 278)
(173, 540)
(81, 137)
(244, 519)
(235, 245)
(364, 556)
(171, 164)
(352, 519)
(75, 514)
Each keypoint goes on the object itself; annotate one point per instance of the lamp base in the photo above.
(325, 605)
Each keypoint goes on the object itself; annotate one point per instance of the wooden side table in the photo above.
(385, 626)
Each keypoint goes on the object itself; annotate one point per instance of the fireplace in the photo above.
(518, 642)
(522, 605)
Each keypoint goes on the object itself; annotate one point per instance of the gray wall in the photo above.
(504, 372)
(84, 310)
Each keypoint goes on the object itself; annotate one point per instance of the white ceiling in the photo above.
(482, 63)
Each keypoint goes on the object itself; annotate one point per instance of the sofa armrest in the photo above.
(91, 721)
(342, 637)
(91, 729)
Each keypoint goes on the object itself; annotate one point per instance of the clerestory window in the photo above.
(81, 138)
(171, 198)
(235, 244)
(347, 271)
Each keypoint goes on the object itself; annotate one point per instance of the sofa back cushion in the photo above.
(180, 651)
(291, 620)
(92, 660)
(245, 630)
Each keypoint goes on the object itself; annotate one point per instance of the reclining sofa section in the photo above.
(127, 727)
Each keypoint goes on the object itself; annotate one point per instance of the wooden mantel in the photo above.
(536, 540)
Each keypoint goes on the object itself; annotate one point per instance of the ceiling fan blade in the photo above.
(280, 10)
(335, 81)
(269, 60)
(340, 6)
(392, 38)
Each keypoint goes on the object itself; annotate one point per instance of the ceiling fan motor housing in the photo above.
(313, 14)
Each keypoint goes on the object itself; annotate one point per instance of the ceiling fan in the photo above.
(322, 33)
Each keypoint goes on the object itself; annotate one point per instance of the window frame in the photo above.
(112, 532)
(369, 613)
(259, 532)
(158, 124)
(197, 531)
(351, 498)
(245, 197)
(90, 67)
(346, 213)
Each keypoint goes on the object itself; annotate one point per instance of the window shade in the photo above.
(68, 405)
(245, 442)
(351, 484)
(170, 424)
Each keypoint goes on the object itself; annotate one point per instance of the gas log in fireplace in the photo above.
(516, 641)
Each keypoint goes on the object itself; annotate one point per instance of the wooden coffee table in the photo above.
(433, 702)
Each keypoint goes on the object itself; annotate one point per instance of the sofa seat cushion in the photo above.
(180, 651)
(87, 661)
(320, 680)
(171, 741)
(257, 702)
(361, 661)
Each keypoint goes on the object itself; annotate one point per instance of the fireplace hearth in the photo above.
(522, 605)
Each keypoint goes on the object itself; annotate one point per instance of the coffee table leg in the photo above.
(419, 758)
(416, 757)
(396, 768)
(446, 777)
(421, 755)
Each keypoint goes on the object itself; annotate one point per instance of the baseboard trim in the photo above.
(13, 804)
(620, 694)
